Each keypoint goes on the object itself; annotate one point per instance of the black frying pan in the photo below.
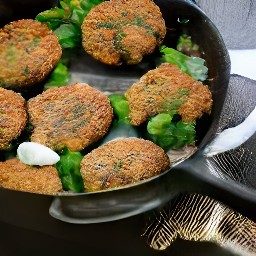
(196, 174)
(125, 202)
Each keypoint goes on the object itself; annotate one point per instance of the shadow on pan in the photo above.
(215, 177)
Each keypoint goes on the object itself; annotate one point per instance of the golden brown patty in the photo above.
(74, 116)
(13, 117)
(28, 53)
(121, 162)
(119, 31)
(18, 176)
(168, 88)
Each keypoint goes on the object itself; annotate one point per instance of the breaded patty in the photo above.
(73, 116)
(121, 162)
(28, 53)
(119, 31)
(13, 117)
(168, 88)
(18, 176)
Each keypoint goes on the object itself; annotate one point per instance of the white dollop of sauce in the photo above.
(232, 137)
(33, 153)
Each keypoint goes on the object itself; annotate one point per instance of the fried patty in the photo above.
(18, 176)
(121, 162)
(73, 116)
(28, 53)
(118, 31)
(168, 88)
(13, 117)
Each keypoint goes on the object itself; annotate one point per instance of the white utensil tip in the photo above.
(232, 137)
(32, 153)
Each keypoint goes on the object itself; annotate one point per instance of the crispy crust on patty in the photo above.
(163, 88)
(73, 116)
(28, 53)
(121, 162)
(34, 179)
(119, 31)
(13, 117)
